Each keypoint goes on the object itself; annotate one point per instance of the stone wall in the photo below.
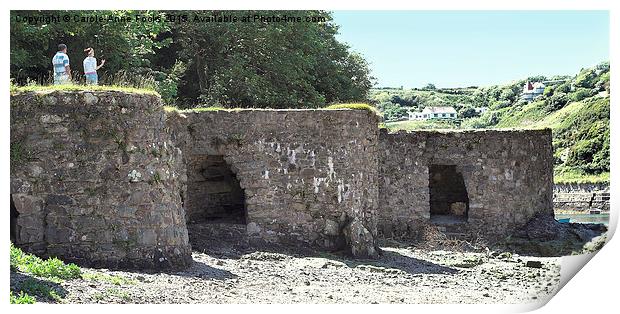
(96, 180)
(508, 177)
(581, 197)
(309, 177)
(109, 179)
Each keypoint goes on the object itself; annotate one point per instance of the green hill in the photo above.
(575, 108)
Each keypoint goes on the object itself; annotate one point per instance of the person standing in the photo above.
(60, 61)
(90, 67)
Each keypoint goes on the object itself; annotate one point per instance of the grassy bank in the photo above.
(563, 176)
(76, 87)
(419, 125)
(34, 279)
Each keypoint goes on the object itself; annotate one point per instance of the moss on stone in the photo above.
(355, 106)
(85, 88)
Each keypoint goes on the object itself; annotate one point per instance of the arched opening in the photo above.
(215, 207)
(213, 192)
(449, 201)
(13, 221)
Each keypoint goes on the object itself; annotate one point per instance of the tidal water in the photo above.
(585, 218)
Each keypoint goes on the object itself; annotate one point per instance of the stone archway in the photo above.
(449, 200)
(215, 204)
(214, 194)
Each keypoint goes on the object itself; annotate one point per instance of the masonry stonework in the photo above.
(96, 180)
(507, 175)
(309, 176)
(108, 179)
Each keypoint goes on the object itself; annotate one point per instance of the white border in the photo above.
(592, 289)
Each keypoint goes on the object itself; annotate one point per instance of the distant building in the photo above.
(434, 113)
(532, 90)
(414, 115)
(481, 110)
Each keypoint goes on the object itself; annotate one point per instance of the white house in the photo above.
(531, 91)
(481, 110)
(434, 113)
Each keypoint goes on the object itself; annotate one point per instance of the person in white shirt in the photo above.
(62, 71)
(90, 67)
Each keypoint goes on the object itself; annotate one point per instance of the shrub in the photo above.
(586, 78)
(520, 103)
(168, 83)
(548, 91)
(563, 88)
(557, 101)
(499, 104)
(580, 94)
(603, 81)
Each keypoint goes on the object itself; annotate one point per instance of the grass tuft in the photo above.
(21, 298)
(355, 106)
(115, 280)
(74, 87)
(39, 289)
(52, 268)
(171, 109)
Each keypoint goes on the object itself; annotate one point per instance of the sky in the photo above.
(473, 48)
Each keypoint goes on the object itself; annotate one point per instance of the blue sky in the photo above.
(463, 48)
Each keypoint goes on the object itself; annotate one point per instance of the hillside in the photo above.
(575, 108)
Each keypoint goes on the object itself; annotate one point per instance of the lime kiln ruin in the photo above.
(108, 178)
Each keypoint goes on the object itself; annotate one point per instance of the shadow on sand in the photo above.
(43, 290)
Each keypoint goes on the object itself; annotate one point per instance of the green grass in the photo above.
(216, 108)
(21, 298)
(560, 119)
(115, 280)
(203, 109)
(419, 125)
(521, 117)
(566, 176)
(75, 87)
(51, 268)
(111, 293)
(355, 106)
(39, 289)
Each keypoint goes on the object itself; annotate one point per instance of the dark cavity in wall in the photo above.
(213, 192)
(13, 221)
(448, 195)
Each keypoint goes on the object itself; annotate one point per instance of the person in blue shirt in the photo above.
(60, 61)
(90, 67)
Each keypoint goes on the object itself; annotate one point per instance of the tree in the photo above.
(430, 86)
(548, 91)
(392, 111)
(236, 64)
(586, 78)
(270, 64)
(469, 113)
(508, 94)
(126, 46)
(580, 94)
(557, 101)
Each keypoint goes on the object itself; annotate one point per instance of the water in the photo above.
(585, 218)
